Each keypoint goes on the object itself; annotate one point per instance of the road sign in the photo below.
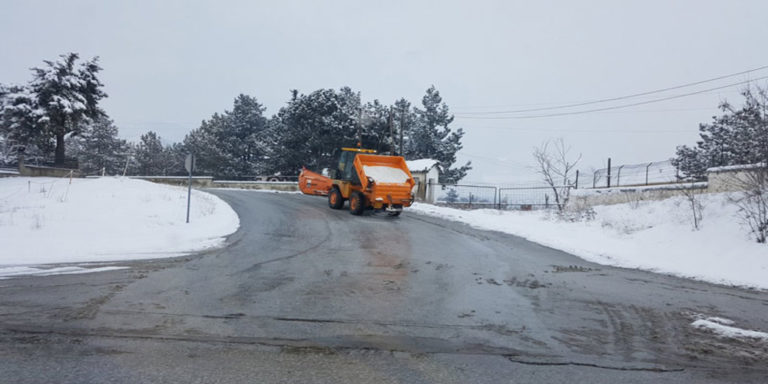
(189, 163)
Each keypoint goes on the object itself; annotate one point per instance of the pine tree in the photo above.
(433, 138)
(19, 123)
(66, 98)
(452, 196)
(98, 148)
(311, 130)
(405, 121)
(240, 135)
(232, 144)
(375, 127)
(150, 155)
(738, 136)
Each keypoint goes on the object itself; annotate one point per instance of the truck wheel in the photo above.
(335, 200)
(356, 203)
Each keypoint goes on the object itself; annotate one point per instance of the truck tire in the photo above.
(356, 203)
(335, 200)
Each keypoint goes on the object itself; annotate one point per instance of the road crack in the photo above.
(593, 365)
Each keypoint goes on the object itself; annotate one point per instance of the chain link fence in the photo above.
(627, 175)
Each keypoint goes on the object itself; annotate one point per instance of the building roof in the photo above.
(422, 165)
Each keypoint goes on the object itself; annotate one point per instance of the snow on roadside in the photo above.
(650, 235)
(724, 328)
(48, 220)
(6, 272)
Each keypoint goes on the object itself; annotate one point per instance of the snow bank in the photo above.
(724, 328)
(48, 220)
(6, 272)
(651, 235)
(382, 174)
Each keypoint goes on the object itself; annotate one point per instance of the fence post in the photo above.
(618, 177)
(594, 179)
(646, 172)
(495, 192)
(609, 172)
(577, 180)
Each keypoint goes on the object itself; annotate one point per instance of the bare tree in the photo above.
(555, 167)
(752, 199)
(691, 194)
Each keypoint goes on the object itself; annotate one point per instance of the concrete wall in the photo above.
(728, 180)
(286, 186)
(208, 182)
(197, 181)
(38, 171)
(725, 179)
(620, 195)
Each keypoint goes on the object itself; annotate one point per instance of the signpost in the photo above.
(189, 164)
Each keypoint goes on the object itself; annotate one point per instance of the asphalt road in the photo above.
(303, 293)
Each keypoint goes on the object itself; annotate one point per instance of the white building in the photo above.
(426, 173)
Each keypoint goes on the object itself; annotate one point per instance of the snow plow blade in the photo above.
(313, 183)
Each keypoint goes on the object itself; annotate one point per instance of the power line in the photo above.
(491, 159)
(619, 97)
(611, 107)
(569, 130)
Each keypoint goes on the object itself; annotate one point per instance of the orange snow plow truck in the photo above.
(367, 180)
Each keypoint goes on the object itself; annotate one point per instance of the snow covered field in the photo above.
(651, 235)
(47, 220)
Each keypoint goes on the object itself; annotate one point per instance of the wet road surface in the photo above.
(303, 293)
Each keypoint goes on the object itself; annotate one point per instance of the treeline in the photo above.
(59, 109)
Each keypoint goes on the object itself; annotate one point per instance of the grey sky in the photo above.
(168, 65)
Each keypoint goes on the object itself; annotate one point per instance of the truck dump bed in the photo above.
(385, 179)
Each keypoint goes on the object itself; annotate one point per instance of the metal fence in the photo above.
(464, 195)
(473, 196)
(652, 173)
(529, 197)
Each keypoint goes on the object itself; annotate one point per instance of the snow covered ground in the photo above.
(48, 221)
(651, 235)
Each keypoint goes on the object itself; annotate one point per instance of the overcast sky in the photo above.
(170, 64)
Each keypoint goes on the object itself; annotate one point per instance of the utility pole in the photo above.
(391, 134)
(189, 164)
(402, 128)
(360, 127)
